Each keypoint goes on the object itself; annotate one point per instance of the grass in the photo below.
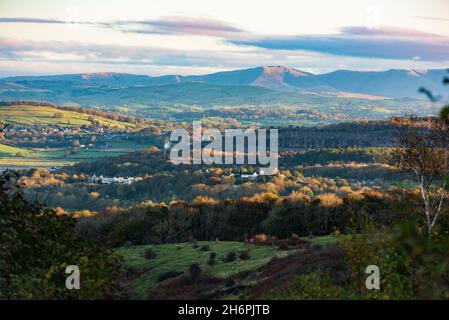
(26, 115)
(322, 240)
(169, 258)
(21, 157)
(9, 162)
(6, 150)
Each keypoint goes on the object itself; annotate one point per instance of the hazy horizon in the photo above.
(219, 71)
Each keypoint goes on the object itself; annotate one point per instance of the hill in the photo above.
(30, 115)
(175, 259)
(6, 150)
(247, 86)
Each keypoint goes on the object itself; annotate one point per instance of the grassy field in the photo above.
(179, 257)
(170, 258)
(8, 151)
(20, 157)
(25, 115)
(322, 240)
(55, 158)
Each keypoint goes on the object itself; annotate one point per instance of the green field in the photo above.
(170, 258)
(26, 115)
(9, 151)
(54, 158)
(179, 257)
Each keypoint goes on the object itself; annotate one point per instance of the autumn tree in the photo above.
(423, 152)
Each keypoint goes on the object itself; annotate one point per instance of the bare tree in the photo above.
(423, 151)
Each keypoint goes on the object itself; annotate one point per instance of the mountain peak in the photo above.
(94, 75)
(279, 77)
(281, 70)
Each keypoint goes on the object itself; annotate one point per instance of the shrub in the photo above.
(312, 286)
(244, 255)
(230, 257)
(205, 248)
(211, 262)
(194, 271)
(149, 253)
(36, 247)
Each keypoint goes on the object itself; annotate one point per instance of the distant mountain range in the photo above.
(261, 85)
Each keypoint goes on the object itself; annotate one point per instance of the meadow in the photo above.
(28, 115)
(177, 258)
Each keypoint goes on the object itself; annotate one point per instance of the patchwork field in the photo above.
(20, 157)
(26, 115)
(6, 150)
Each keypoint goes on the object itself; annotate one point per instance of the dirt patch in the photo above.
(280, 273)
(204, 287)
(132, 273)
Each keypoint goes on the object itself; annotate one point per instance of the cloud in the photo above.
(180, 25)
(30, 20)
(71, 52)
(431, 18)
(384, 43)
(353, 41)
(176, 25)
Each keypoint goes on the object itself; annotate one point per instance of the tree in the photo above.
(58, 115)
(36, 246)
(423, 151)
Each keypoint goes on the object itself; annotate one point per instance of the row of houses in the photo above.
(114, 180)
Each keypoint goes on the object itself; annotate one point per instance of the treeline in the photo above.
(239, 219)
(342, 135)
(254, 113)
(328, 155)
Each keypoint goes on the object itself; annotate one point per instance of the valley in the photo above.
(198, 231)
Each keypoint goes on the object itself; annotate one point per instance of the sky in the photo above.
(157, 37)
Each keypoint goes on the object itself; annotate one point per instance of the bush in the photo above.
(149, 253)
(168, 275)
(37, 245)
(194, 271)
(230, 257)
(211, 262)
(244, 255)
(205, 248)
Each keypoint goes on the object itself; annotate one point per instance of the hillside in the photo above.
(260, 85)
(28, 115)
(6, 150)
(175, 259)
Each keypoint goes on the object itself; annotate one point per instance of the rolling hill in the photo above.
(6, 150)
(261, 85)
(30, 115)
